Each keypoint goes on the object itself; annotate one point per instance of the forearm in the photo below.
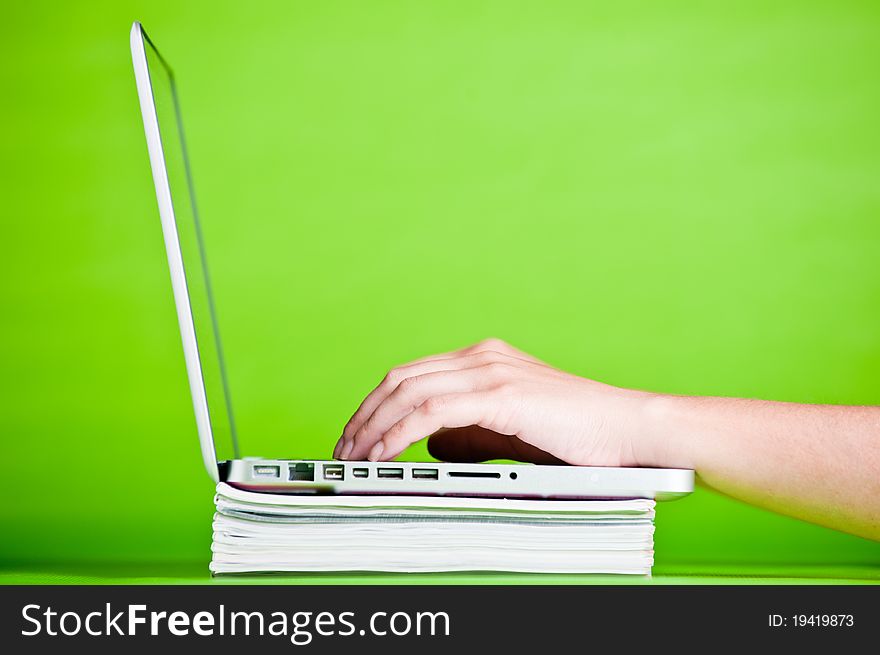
(820, 463)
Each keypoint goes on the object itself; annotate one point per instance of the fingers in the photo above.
(395, 378)
(411, 393)
(453, 410)
(484, 352)
(476, 444)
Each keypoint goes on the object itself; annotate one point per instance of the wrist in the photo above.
(661, 439)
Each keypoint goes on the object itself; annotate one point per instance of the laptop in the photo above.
(203, 354)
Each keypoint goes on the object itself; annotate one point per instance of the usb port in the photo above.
(334, 472)
(390, 474)
(424, 474)
(360, 473)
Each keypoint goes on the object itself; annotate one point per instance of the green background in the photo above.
(675, 196)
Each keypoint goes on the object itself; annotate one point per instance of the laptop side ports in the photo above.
(425, 474)
(334, 472)
(390, 474)
(301, 472)
(266, 471)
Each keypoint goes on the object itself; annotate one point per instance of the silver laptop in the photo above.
(203, 353)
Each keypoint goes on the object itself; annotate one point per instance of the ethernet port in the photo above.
(302, 472)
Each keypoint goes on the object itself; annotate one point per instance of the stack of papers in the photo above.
(255, 532)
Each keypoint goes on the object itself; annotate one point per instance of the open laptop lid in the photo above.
(184, 245)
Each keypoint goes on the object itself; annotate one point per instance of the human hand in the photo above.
(492, 401)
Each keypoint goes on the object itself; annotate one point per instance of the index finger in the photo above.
(454, 410)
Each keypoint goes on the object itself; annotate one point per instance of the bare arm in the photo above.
(816, 462)
(820, 463)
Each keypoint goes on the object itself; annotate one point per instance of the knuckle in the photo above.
(487, 356)
(506, 390)
(497, 369)
(407, 385)
(365, 429)
(392, 378)
(433, 406)
(493, 343)
(394, 432)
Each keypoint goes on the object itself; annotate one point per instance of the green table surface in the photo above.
(192, 573)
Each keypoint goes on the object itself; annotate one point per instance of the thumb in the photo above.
(476, 444)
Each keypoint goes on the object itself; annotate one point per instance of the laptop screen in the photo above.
(192, 246)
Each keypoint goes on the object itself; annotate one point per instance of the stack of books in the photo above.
(256, 532)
